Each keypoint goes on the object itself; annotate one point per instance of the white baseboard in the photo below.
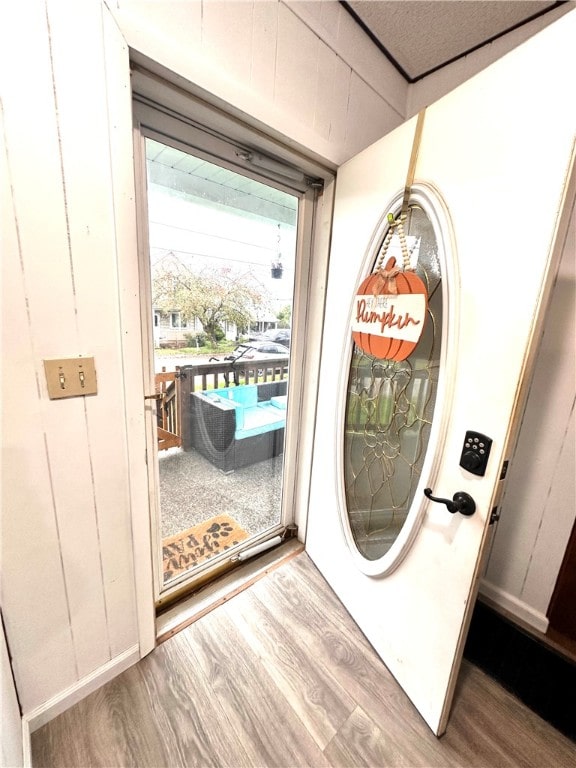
(38, 717)
(498, 598)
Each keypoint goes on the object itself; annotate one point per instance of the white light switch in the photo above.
(70, 377)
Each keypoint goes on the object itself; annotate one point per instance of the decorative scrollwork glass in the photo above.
(389, 408)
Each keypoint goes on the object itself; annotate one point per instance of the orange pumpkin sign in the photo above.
(390, 312)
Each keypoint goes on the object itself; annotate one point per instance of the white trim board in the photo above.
(61, 702)
(497, 598)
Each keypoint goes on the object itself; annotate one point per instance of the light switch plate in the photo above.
(70, 377)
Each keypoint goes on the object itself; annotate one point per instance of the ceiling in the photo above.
(421, 36)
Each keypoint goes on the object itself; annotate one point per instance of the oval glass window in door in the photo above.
(388, 413)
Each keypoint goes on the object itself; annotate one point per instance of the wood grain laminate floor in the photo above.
(281, 676)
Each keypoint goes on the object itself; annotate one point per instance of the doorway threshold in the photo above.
(193, 607)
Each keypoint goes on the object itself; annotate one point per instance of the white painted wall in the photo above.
(539, 504)
(76, 604)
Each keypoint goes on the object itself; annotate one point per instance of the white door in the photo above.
(490, 190)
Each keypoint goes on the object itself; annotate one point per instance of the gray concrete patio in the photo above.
(192, 490)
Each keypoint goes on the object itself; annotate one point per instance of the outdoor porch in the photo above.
(190, 485)
(213, 493)
(173, 392)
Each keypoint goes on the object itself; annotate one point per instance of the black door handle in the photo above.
(461, 502)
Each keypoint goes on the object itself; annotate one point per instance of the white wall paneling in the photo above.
(68, 583)
(34, 589)
(334, 25)
(235, 54)
(558, 515)
(263, 58)
(82, 436)
(539, 504)
(297, 49)
(303, 70)
(332, 91)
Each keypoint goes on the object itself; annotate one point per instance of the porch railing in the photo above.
(169, 412)
(177, 386)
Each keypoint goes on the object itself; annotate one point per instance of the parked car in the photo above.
(263, 350)
(280, 336)
(259, 350)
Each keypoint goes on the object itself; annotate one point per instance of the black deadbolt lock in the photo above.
(475, 452)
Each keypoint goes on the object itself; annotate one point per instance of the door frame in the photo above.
(312, 244)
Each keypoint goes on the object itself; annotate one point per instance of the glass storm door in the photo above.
(485, 216)
(218, 263)
(222, 253)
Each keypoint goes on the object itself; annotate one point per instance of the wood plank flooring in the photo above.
(281, 676)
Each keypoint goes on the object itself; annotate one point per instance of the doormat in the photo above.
(190, 548)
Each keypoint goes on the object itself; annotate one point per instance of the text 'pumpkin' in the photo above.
(389, 313)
